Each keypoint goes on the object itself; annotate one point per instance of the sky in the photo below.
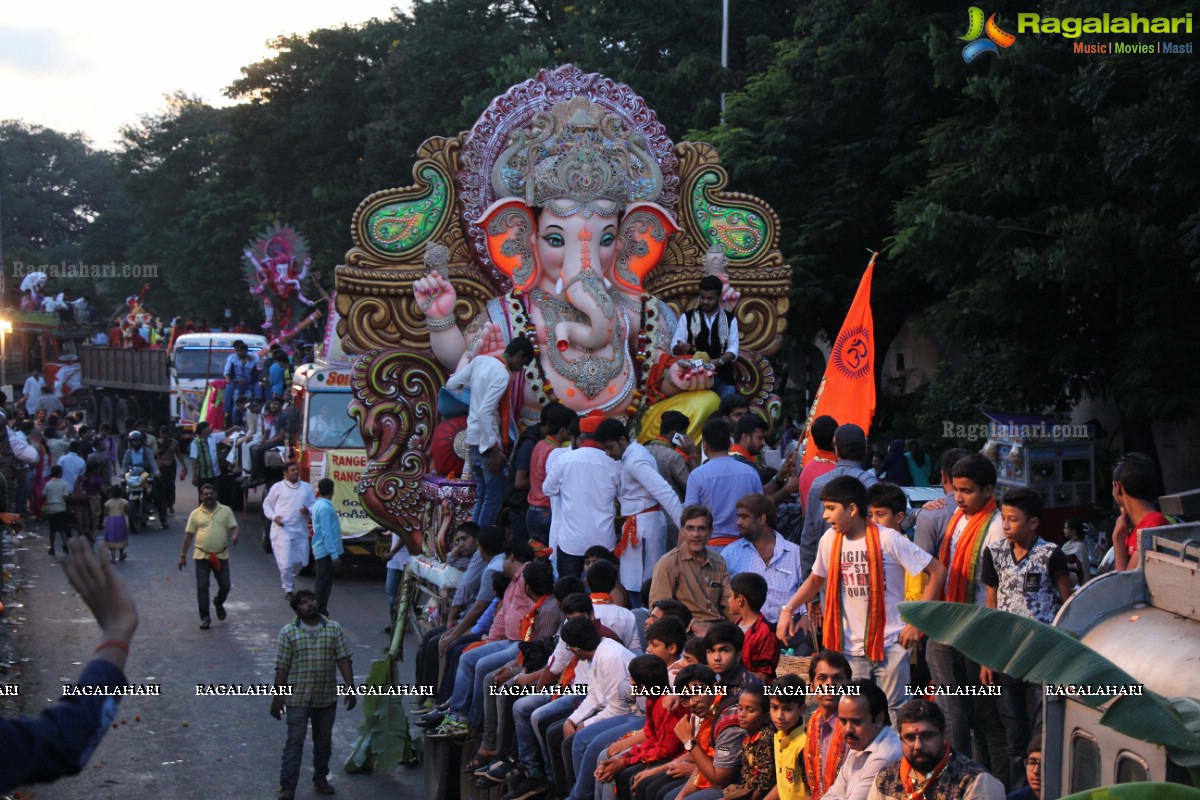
(93, 67)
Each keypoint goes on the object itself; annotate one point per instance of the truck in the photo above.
(197, 359)
(154, 384)
(126, 383)
(327, 441)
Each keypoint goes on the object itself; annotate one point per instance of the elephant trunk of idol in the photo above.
(584, 289)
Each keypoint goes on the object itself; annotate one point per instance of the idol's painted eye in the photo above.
(607, 240)
(554, 240)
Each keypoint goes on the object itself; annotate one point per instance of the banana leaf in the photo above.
(1039, 653)
(1138, 791)
(384, 741)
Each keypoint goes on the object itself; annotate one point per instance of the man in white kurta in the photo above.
(647, 501)
(287, 506)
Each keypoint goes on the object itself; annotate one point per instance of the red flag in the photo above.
(847, 391)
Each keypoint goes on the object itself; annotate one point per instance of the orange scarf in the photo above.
(963, 572)
(704, 740)
(741, 452)
(505, 411)
(528, 620)
(915, 792)
(527, 625)
(821, 778)
(567, 676)
(629, 537)
(876, 616)
(601, 599)
(665, 441)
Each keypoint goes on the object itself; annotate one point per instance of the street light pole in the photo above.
(5, 329)
(724, 50)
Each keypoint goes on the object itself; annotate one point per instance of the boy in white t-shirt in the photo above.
(861, 568)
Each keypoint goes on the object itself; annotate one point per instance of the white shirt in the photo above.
(22, 449)
(620, 621)
(860, 767)
(642, 486)
(681, 332)
(72, 467)
(995, 533)
(556, 501)
(609, 693)
(32, 392)
(402, 555)
(899, 556)
(487, 379)
(285, 500)
(586, 479)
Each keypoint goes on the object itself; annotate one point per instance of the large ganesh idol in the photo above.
(568, 216)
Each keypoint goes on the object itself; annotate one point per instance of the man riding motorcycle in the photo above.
(139, 459)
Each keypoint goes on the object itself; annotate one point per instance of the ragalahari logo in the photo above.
(976, 27)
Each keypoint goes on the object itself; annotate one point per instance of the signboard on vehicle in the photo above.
(345, 468)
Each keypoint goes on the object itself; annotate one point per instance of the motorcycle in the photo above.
(143, 502)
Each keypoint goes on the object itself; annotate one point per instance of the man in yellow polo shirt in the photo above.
(214, 528)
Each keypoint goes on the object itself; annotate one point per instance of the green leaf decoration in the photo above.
(736, 227)
(1039, 653)
(400, 227)
(384, 741)
(1148, 790)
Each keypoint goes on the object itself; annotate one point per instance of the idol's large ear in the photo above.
(642, 240)
(509, 227)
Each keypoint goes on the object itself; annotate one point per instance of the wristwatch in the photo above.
(689, 744)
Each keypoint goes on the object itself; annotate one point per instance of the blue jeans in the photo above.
(537, 523)
(298, 718)
(489, 489)
(528, 750)
(203, 571)
(467, 699)
(534, 715)
(392, 587)
(1013, 705)
(24, 483)
(588, 745)
(949, 668)
(453, 654)
(569, 564)
(723, 389)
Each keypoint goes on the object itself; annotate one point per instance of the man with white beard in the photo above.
(287, 506)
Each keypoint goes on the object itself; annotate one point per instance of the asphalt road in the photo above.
(179, 745)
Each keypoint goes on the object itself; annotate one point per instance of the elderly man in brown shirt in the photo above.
(693, 574)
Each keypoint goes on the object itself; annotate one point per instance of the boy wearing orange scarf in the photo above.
(975, 526)
(861, 568)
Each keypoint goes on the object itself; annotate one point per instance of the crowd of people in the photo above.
(660, 657)
(656, 659)
(55, 466)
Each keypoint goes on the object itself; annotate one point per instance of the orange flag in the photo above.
(847, 391)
